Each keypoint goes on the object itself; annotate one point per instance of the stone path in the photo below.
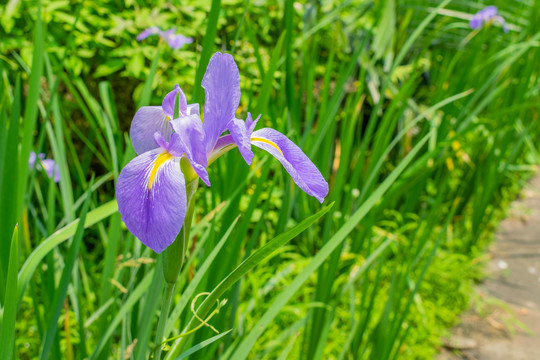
(510, 327)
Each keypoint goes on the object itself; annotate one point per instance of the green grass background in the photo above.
(424, 129)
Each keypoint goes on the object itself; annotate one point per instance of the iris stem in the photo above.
(165, 307)
(173, 260)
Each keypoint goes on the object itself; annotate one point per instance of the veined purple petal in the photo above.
(304, 173)
(241, 133)
(162, 143)
(153, 30)
(151, 195)
(193, 109)
(147, 121)
(188, 138)
(169, 102)
(221, 85)
(223, 141)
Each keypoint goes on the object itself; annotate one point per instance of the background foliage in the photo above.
(424, 129)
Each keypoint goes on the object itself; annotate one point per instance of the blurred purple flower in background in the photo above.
(49, 165)
(487, 16)
(153, 30)
(175, 41)
(151, 189)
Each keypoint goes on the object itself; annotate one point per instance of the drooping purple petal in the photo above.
(241, 133)
(153, 30)
(169, 102)
(151, 195)
(147, 121)
(188, 138)
(221, 85)
(304, 173)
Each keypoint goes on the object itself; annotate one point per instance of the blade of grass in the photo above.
(60, 293)
(7, 331)
(34, 259)
(146, 94)
(201, 345)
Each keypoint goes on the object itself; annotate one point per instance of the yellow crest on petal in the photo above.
(159, 162)
(267, 142)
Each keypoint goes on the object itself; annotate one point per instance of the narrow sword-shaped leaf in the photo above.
(201, 345)
(34, 259)
(60, 293)
(7, 331)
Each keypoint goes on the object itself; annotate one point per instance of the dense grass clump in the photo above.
(424, 128)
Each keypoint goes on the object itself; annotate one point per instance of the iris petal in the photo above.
(304, 173)
(189, 139)
(151, 195)
(51, 168)
(147, 121)
(489, 11)
(242, 138)
(475, 22)
(193, 109)
(221, 85)
(153, 30)
(501, 21)
(169, 102)
(241, 133)
(176, 41)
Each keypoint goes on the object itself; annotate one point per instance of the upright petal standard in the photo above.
(221, 85)
(151, 119)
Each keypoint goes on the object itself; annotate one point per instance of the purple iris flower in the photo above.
(175, 41)
(49, 165)
(487, 16)
(151, 189)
